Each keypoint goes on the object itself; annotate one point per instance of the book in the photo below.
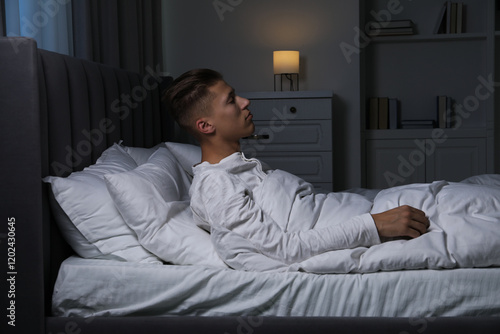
(390, 24)
(444, 112)
(383, 113)
(440, 26)
(449, 112)
(387, 28)
(448, 16)
(460, 17)
(393, 114)
(441, 112)
(372, 121)
(391, 32)
(450, 19)
(418, 124)
(453, 18)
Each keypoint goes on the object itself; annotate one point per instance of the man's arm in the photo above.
(223, 201)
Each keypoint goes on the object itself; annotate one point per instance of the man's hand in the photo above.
(403, 221)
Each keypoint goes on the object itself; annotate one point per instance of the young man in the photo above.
(262, 219)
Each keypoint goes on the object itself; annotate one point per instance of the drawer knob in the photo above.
(293, 110)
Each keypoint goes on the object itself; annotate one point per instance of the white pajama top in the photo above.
(262, 219)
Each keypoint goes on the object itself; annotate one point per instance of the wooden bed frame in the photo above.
(58, 114)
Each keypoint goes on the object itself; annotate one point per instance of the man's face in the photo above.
(230, 116)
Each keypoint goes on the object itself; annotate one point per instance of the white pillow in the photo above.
(484, 179)
(141, 154)
(187, 155)
(84, 198)
(154, 201)
(71, 234)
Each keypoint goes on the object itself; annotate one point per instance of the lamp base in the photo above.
(292, 77)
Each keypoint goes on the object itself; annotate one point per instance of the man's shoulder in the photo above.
(209, 178)
(209, 174)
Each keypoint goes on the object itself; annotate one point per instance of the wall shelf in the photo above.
(429, 38)
(425, 133)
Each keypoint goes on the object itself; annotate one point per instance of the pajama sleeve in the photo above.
(239, 226)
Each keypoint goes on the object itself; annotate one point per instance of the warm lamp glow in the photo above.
(286, 62)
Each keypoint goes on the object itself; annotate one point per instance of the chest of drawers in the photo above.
(293, 132)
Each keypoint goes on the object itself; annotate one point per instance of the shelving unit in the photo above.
(417, 68)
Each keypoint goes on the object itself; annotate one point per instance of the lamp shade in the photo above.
(286, 62)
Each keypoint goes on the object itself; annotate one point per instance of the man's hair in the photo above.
(188, 97)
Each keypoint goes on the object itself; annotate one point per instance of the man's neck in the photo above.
(213, 152)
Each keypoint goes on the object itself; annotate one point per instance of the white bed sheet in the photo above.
(88, 287)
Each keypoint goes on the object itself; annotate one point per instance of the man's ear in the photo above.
(204, 126)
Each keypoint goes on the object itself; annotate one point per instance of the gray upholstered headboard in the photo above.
(58, 114)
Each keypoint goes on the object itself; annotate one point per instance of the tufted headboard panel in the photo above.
(57, 115)
(90, 106)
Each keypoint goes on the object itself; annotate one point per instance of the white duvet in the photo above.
(464, 230)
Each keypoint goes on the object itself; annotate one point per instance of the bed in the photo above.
(59, 114)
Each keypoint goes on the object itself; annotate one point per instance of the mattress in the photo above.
(92, 287)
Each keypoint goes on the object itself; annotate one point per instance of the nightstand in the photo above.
(293, 132)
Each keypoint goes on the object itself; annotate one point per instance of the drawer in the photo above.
(281, 109)
(314, 167)
(286, 135)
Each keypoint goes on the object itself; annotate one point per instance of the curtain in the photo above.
(120, 33)
(2, 19)
(49, 22)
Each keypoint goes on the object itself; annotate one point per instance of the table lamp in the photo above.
(286, 64)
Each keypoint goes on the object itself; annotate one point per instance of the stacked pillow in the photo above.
(492, 180)
(133, 205)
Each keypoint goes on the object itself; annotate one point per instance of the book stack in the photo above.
(390, 28)
(444, 111)
(383, 113)
(418, 124)
(450, 19)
